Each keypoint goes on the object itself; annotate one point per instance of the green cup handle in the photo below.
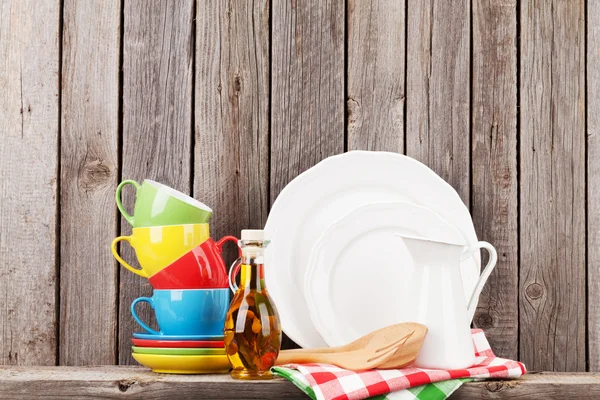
(128, 217)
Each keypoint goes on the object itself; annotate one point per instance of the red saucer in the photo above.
(178, 343)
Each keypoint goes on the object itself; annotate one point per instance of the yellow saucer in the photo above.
(169, 364)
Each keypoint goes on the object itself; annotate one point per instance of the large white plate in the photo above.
(359, 271)
(311, 202)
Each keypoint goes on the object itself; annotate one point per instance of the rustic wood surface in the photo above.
(89, 166)
(307, 94)
(134, 382)
(137, 382)
(437, 89)
(552, 198)
(232, 114)
(540, 385)
(158, 55)
(307, 106)
(229, 101)
(376, 59)
(29, 102)
(494, 166)
(593, 182)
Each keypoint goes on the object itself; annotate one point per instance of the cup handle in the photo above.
(150, 301)
(113, 249)
(120, 206)
(484, 275)
(235, 267)
(226, 239)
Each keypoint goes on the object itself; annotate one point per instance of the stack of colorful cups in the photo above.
(171, 239)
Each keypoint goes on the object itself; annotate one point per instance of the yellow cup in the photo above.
(156, 247)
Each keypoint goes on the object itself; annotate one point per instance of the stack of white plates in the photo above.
(333, 262)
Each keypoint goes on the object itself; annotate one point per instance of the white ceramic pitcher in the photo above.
(438, 300)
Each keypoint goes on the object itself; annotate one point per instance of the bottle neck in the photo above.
(252, 275)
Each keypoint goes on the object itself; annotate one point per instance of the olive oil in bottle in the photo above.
(252, 329)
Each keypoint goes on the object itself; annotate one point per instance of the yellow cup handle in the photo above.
(113, 248)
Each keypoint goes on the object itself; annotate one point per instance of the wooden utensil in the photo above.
(355, 360)
(410, 334)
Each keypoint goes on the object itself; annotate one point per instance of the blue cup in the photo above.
(186, 311)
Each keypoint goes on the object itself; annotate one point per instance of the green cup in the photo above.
(159, 205)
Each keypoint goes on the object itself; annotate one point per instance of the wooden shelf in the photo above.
(136, 382)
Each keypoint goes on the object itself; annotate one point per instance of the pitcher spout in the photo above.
(432, 252)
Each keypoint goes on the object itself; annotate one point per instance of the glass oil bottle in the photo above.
(252, 328)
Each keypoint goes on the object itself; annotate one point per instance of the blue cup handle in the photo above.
(150, 301)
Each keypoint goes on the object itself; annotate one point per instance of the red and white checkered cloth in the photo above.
(331, 382)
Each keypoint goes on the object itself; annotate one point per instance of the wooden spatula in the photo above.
(409, 335)
(356, 360)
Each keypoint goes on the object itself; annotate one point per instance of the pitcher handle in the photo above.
(235, 267)
(484, 275)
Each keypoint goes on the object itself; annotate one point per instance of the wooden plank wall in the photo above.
(29, 132)
(593, 181)
(552, 185)
(158, 59)
(229, 101)
(231, 121)
(89, 165)
(494, 189)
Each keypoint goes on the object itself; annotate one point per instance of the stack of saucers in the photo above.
(181, 356)
(185, 267)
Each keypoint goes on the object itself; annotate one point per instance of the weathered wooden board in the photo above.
(307, 96)
(307, 106)
(29, 129)
(89, 173)
(137, 382)
(375, 78)
(593, 182)
(536, 385)
(437, 89)
(494, 166)
(158, 55)
(232, 114)
(552, 196)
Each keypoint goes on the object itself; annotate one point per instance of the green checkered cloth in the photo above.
(432, 391)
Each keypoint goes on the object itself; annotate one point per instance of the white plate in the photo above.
(358, 270)
(311, 202)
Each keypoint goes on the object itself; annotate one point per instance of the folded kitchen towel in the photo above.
(328, 382)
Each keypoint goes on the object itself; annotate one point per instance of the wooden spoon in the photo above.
(355, 360)
(412, 333)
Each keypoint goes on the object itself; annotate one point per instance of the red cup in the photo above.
(200, 268)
